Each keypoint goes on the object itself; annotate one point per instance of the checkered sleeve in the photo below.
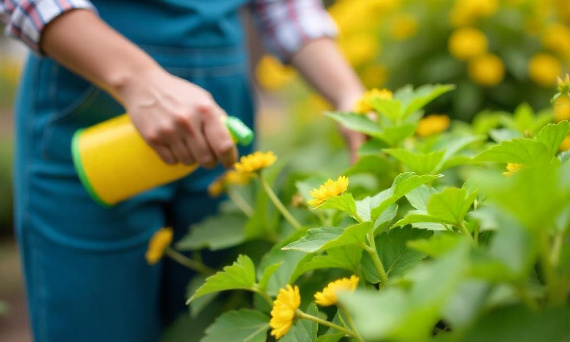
(25, 19)
(286, 25)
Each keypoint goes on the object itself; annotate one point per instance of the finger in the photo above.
(164, 153)
(196, 143)
(182, 151)
(219, 139)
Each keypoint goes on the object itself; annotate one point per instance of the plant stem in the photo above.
(476, 235)
(351, 325)
(371, 250)
(240, 202)
(526, 298)
(264, 295)
(191, 264)
(303, 315)
(286, 214)
(465, 231)
(548, 267)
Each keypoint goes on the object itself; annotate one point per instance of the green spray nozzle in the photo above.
(241, 134)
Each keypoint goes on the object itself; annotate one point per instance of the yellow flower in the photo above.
(512, 168)
(363, 106)
(328, 190)
(217, 187)
(562, 108)
(487, 70)
(556, 38)
(284, 309)
(544, 69)
(255, 162)
(403, 27)
(565, 145)
(233, 177)
(432, 124)
(374, 75)
(360, 48)
(465, 12)
(158, 243)
(328, 296)
(467, 43)
(272, 75)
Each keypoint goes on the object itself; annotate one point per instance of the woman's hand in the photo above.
(180, 120)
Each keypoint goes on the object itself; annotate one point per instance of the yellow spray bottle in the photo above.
(114, 163)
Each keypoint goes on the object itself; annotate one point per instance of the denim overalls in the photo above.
(86, 276)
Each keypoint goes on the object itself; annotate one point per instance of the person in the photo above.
(176, 67)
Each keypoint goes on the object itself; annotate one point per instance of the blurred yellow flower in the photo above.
(565, 145)
(512, 168)
(374, 75)
(272, 75)
(556, 38)
(255, 162)
(284, 308)
(544, 69)
(158, 243)
(364, 106)
(403, 27)
(328, 296)
(562, 108)
(432, 124)
(360, 48)
(467, 43)
(217, 187)
(466, 12)
(486, 70)
(328, 190)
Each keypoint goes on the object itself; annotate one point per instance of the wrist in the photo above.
(125, 82)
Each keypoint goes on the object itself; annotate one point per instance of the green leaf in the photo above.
(517, 323)
(357, 122)
(451, 205)
(199, 304)
(320, 239)
(520, 151)
(372, 147)
(389, 108)
(398, 315)
(437, 246)
(376, 165)
(364, 206)
(424, 95)
(267, 273)
(403, 184)
(238, 326)
(330, 337)
(504, 134)
(289, 258)
(343, 257)
(420, 163)
(397, 258)
(384, 220)
(304, 330)
(395, 135)
(239, 276)
(344, 202)
(464, 306)
(420, 196)
(215, 233)
(553, 134)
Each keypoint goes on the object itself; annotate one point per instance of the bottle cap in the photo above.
(241, 134)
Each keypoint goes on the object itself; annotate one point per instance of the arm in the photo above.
(178, 119)
(323, 66)
(299, 31)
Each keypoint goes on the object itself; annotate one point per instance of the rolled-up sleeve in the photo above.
(286, 25)
(26, 19)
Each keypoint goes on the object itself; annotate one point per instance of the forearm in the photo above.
(82, 42)
(324, 67)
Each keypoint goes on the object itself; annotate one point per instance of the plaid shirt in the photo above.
(285, 24)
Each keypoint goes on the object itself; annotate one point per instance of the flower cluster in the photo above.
(255, 162)
(364, 104)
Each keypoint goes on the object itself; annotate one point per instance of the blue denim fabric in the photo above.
(86, 276)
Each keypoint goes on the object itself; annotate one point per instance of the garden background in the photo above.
(499, 53)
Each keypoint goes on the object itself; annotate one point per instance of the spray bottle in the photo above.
(114, 163)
